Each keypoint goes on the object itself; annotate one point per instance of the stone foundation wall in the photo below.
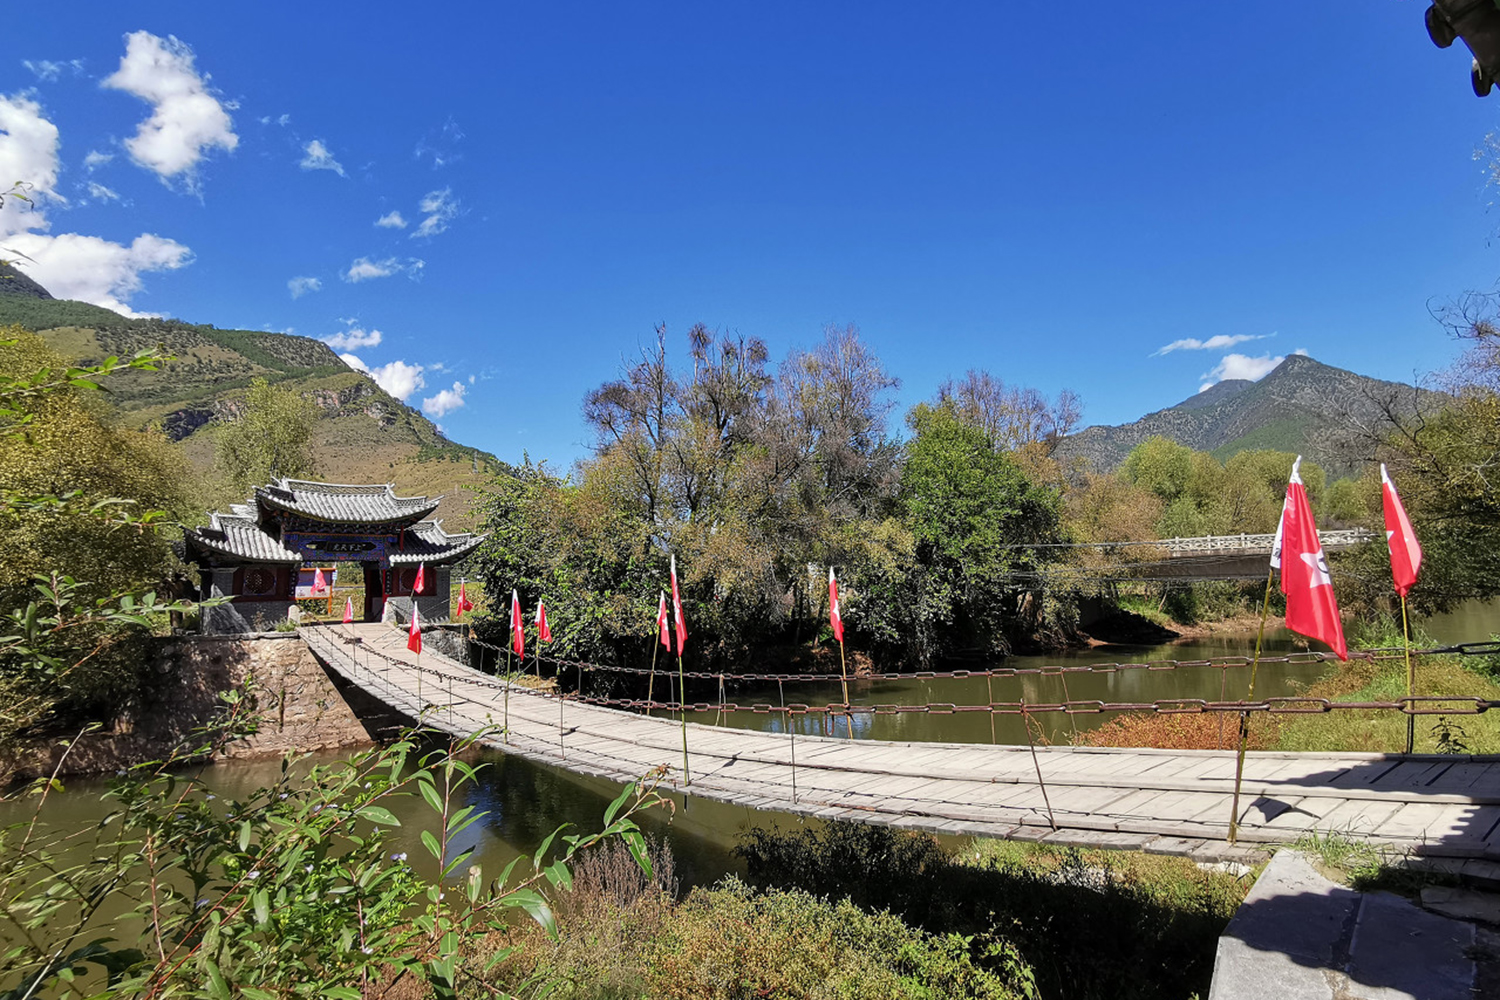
(298, 705)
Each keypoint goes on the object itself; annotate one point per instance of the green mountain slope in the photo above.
(1325, 413)
(363, 434)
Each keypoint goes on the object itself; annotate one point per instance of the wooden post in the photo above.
(1239, 766)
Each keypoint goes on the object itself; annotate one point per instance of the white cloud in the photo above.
(282, 120)
(365, 269)
(1215, 343)
(46, 70)
(319, 158)
(439, 208)
(445, 402)
(391, 220)
(70, 266)
(1244, 367)
(397, 378)
(301, 285)
(99, 192)
(353, 338)
(186, 120)
(96, 159)
(441, 144)
(90, 269)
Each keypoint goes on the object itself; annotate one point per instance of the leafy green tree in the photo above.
(271, 439)
(82, 506)
(975, 518)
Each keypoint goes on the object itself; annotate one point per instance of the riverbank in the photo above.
(299, 707)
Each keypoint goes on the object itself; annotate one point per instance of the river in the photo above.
(526, 801)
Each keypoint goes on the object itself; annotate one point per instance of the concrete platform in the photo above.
(1301, 936)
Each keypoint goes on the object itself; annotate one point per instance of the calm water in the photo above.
(526, 801)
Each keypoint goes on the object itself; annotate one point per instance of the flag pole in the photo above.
(506, 720)
(1239, 766)
(682, 696)
(844, 672)
(1411, 680)
(651, 682)
(1026, 721)
(792, 734)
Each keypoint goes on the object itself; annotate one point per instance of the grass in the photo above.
(625, 936)
(1364, 867)
(1360, 730)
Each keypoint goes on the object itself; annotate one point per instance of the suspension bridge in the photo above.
(1163, 801)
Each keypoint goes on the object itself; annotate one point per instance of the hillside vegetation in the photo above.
(1332, 416)
(363, 434)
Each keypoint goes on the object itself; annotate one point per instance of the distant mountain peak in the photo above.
(1301, 405)
(16, 284)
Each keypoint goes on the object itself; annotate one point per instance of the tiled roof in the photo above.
(367, 504)
(237, 536)
(426, 541)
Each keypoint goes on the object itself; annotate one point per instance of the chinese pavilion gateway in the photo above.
(256, 553)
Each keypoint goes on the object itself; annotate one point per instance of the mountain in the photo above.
(1303, 406)
(363, 434)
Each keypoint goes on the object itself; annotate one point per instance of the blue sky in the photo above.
(1054, 194)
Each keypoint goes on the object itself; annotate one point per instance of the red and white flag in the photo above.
(677, 619)
(662, 629)
(1310, 605)
(348, 610)
(414, 634)
(421, 583)
(1406, 551)
(320, 582)
(543, 633)
(835, 617)
(517, 629)
(464, 604)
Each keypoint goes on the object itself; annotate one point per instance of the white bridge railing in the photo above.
(1179, 548)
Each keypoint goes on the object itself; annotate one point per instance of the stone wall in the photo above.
(299, 706)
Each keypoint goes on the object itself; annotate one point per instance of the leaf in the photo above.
(541, 852)
(535, 905)
(261, 900)
(636, 844)
(430, 842)
(379, 814)
(618, 804)
(244, 840)
(431, 795)
(559, 875)
(338, 992)
(217, 987)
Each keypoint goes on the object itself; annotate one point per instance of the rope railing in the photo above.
(1049, 670)
(1290, 705)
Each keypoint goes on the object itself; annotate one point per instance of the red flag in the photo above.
(464, 604)
(517, 630)
(677, 618)
(1406, 551)
(1310, 605)
(348, 610)
(661, 622)
(320, 582)
(421, 584)
(543, 633)
(414, 634)
(835, 618)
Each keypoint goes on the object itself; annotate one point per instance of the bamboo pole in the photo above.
(1036, 763)
(1239, 766)
(1067, 699)
(687, 777)
(651, 683)
(560, 748)
(844, 674)
(506, 720)
(989, 686)
(791, 731)
(1411, 680)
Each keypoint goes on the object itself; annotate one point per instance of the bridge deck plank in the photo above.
(1151, 797)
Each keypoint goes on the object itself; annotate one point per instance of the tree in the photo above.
(271, 439)
(976, 520)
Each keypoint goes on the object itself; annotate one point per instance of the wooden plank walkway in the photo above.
(1156, 800)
